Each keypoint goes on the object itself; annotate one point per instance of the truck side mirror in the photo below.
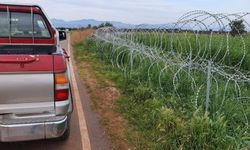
(62, 35)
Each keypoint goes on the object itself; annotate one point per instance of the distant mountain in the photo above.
(86, 22)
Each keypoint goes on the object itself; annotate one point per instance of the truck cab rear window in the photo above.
(4, 25)
(23, 25)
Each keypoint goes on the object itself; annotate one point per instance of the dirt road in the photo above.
(86, 131)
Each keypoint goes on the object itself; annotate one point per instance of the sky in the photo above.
(134, 11)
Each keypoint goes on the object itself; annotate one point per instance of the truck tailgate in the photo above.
(26, 84)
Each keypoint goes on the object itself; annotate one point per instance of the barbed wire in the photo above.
(199, 48)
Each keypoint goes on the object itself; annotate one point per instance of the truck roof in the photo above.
(20, 7)
(19, 4)
(23, 7)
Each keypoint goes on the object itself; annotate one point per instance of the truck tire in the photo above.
(65, 135)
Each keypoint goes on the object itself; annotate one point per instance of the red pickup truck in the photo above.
(35, 86)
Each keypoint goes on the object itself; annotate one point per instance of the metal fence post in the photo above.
(208, 84)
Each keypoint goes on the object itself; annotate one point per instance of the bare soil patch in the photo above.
(103, 94)
(80, 35)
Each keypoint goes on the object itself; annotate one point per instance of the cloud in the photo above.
(132, 11)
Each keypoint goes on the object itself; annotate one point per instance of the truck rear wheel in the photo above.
(65, 135)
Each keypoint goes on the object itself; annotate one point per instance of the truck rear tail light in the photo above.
(62, 95)
(61, 87)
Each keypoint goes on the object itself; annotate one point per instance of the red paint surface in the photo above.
(60, 64)
(4, 41)
(20, 8)
(42, 63)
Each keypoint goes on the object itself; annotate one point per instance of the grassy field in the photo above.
(203, 45)
(158, 118)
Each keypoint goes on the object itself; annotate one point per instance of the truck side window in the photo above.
(4, 24)
(40, 27)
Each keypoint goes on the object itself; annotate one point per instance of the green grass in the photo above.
(158, 119)
(185, 42)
